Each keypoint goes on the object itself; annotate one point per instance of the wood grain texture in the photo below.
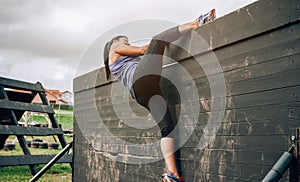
(258, 54)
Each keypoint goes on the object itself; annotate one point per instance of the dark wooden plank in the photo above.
(252, 21)
(251, 157)
(247, 76)
(235, 60)
(29, 131)
(21, 97)
(252, 78)
(260, 69)
(253, 51)
(229, 172)
(259, 121)
(255, 120)
(16, 84)
(87, 81)
(270, 97)
(269, 142)
(5, 104)
(31, 160)
(264, 65)
(273, 96)
(263, 82)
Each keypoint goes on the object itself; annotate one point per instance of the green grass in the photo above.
(63, 117)
(66, 120)
(35, 151)
(58, 172)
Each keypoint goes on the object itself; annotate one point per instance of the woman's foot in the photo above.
(207, 17)
(201, 20)
(168, 177)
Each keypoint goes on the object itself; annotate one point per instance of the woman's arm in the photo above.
(128, 50)
(125, 50)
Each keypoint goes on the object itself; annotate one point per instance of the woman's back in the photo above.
(123, 69)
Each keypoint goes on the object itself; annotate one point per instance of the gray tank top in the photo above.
(123, 69)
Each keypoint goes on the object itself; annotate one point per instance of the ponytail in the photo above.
(106, 58)
(106, 55)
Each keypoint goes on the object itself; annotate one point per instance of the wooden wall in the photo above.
(258, 50)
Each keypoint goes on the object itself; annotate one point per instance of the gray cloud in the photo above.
(43, 40)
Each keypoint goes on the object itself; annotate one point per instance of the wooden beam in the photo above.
(15, 84)
(29, 131)
(14, 105)
(32, 160)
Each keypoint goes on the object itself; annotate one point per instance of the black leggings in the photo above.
(147, 77)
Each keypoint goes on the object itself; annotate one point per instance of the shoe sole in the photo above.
(207, 17)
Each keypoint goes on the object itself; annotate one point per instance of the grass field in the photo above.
(65, 118)
(58, 172)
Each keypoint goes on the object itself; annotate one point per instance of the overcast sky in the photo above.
(43, 40)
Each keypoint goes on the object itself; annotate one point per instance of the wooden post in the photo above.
(294, 169)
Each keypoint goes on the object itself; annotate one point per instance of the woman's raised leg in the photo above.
(146, 86)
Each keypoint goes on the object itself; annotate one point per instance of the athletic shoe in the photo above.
(168, 177)
(207, 17)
